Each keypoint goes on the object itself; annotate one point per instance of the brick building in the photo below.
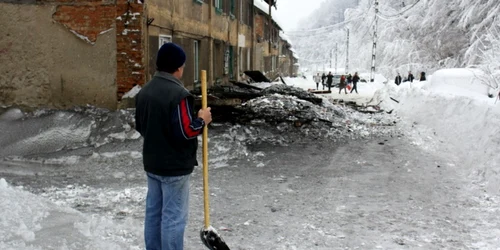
(63, 53)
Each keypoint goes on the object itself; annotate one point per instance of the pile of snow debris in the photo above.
(290, 118)
(277, 108)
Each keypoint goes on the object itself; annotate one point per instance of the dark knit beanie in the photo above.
(170, 57)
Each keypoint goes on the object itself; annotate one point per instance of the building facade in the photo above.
(64, 53)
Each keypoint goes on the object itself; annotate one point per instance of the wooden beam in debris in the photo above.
(256, 76)
(319, 91)
(245, 85)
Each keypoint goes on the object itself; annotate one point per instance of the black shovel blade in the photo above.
(212, 239)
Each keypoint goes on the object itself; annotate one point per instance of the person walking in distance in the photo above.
(323, 78)
(355, 80)
(329, 80)
(343, 84)
(166, 120)
(422, 76)
(317, 79)
(398, 79)
(410, 76)
(349, 78)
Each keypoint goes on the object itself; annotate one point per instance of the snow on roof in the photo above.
(294, 52)
(265, 8)
(284, 37)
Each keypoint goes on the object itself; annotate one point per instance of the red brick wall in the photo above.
(86, 20)
(129, 46)
(89, 18)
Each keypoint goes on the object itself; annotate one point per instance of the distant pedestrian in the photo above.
(323, 78)
(398, 79)
(329, 80)
(422, 76)
(317, 79)
(349, 78)
(355, 80)
(342, 84)
(410, 77)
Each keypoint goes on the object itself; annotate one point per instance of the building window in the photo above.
(218, 6)
(232, 7)
(164, 39)
(231, 62)
(273, 62)
(196, 52)
(226, 62)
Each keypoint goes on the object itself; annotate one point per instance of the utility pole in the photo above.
(347, 54)
(331, 58)
(336, 52)
(374, 49)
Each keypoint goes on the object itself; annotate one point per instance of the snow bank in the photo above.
(30, 222)
(463, 82)
(449, 113)
(47, 131)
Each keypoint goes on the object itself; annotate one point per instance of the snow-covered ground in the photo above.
(452, 113)
(86, 190)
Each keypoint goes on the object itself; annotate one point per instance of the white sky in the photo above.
(290, 12)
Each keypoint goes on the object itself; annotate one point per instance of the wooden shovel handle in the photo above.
(205, 150)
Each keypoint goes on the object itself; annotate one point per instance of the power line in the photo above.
(314, 61)
(325, 27)
(400, 13)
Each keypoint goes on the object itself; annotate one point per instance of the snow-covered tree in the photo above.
(416, 35)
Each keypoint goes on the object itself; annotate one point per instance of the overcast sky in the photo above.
(290, 12)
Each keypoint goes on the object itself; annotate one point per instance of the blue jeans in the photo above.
(167, 204)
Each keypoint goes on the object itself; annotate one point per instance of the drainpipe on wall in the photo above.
(270, 26)
(252, 66)
(210, 46)
(238, 50)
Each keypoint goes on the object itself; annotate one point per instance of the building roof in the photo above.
(284, 37)
(264, 7)
(294, 53)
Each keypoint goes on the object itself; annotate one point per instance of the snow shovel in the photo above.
(209, 236)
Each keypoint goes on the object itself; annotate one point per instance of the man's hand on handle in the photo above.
(206, 115)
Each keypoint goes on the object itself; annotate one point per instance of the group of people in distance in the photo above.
(345, 80)
(327, 81)
(398, 80)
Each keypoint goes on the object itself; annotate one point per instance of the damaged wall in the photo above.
(130, 45)
(64, 53)
(46, 65)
